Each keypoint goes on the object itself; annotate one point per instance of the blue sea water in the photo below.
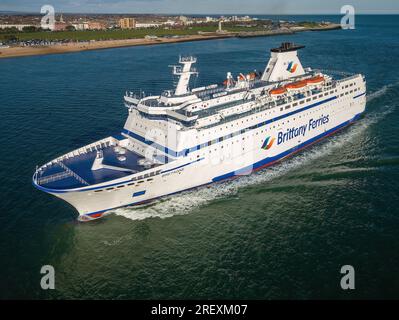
(283, 232)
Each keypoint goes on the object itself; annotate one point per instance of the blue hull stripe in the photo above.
(183, 165)
(106, 186)
(198, 147)
(359, 95)
(248, 169)
(283, 154)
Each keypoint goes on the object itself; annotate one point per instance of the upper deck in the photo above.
(204, 102)
(76, 170)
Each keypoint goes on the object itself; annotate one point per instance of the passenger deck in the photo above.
(76, 171)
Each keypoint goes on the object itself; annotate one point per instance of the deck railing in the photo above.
(96, 146)
(73, 174)
(53, 177)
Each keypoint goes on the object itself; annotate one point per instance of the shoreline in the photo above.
(13, 52)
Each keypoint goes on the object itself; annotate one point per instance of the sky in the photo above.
(205, 6)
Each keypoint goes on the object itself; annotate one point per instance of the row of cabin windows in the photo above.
(349, 85)
(287, 107)
(132, 183)
(209, 143)
(308, 100)
(262, 131)
(281, 124)
(247, 120)
(349, 92)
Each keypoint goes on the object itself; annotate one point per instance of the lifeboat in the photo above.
(277, 91)
(296, 85)
(315, 80)
(228, 82)
(249, 76)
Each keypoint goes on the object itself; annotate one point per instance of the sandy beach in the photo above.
(96, 45)
(106, 44)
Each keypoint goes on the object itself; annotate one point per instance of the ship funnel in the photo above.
(284, 63)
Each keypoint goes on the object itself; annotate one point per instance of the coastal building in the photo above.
(19, 27)
(89, 25)
(183, 19)
(81, 26)
(169, 23)
(148, 25)
(127, 23)
(60, 25)
(94, 25)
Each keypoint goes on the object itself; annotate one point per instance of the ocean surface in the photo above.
(281, 233)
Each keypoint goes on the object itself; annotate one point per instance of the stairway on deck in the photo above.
(61, 175)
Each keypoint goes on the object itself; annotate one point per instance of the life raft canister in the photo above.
(296, 85)
(315, 80)
(277, 91)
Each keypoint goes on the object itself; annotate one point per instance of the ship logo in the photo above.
(292, 67)
(268, 143)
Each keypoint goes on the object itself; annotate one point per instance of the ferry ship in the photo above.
(189, 137)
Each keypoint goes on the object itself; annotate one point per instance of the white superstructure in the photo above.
(186, 138)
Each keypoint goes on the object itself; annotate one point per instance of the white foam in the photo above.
(186, 202)
(373, 95)
(378, 93)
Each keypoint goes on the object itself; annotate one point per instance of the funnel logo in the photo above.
(292, 67)
(268, 143)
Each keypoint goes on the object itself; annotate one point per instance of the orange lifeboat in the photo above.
(296, 85)
(277, 91)
(315, 80)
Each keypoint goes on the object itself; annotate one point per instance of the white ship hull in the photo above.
(191, 172)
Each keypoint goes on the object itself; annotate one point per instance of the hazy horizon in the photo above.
(199, 14)
(204, 7)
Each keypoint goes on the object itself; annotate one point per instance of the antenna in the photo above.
(184, 72)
